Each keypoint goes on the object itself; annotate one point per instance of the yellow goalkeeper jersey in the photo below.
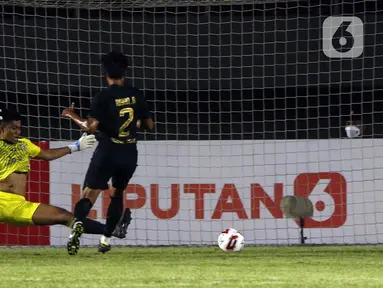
(16, 157)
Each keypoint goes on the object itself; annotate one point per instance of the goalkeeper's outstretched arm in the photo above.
(85, 142)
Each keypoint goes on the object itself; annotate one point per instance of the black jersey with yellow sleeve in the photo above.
(16, 157)
(117, 109)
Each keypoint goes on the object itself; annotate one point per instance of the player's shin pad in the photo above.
(296, 207)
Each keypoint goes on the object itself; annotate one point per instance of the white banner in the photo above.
(187, 192)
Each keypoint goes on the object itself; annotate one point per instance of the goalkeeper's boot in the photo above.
(104, 247)
(74, 238)
(122, 225)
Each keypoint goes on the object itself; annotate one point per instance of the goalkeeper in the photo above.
(15, 155)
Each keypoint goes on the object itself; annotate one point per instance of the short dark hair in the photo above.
(7, 116)
(115, 64)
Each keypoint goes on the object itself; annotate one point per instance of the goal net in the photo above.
(250, 100)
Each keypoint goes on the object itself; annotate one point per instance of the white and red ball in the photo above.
(230, 240)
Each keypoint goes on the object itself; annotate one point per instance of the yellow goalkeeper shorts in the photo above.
(16, 210)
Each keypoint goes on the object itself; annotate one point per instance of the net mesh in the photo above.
(245, 101)
(100, 4)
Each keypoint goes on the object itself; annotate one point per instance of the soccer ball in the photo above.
(230, 240)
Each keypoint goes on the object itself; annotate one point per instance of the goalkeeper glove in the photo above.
(85, 142)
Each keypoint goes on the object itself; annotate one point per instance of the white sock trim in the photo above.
(104, 239)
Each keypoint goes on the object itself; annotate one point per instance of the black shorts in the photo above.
(111, 161)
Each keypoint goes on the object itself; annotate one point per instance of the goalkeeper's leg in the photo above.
(51, 215)
(19, 212)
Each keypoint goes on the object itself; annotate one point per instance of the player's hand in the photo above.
(68, 111)
(86, 142)
(138, 124)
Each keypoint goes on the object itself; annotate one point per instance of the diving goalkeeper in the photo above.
(15, 155)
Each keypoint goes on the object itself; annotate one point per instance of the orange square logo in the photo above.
(304, 185)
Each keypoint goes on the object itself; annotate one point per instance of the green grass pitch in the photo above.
(325, 266)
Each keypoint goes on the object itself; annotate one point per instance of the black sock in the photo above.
(93, 227)
(82, 208)
(115, 210)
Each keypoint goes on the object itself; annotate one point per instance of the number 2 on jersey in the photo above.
(123, 112)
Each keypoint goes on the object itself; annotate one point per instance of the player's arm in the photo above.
(88, 125)
(85, 142)
(147, 124)
(52, 154)
(145, 119)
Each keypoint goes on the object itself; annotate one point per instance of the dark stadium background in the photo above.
(218, 72)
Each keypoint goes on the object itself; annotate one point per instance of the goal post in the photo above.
(250, 100)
